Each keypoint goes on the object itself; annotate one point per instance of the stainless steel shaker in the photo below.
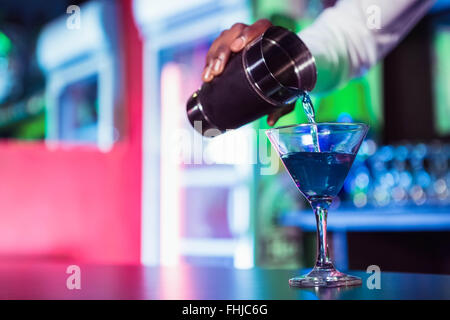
(271, 72)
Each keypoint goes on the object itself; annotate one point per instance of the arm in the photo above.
(351, 37)
(344, 39)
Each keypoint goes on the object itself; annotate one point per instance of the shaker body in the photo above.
(272, 72)
(229, 101)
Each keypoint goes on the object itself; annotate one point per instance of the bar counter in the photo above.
(21, 280)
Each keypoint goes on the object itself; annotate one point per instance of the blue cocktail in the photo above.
(318, 157)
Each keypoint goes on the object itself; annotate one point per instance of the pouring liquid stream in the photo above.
(310, 113)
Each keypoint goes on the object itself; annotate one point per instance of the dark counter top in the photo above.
(48, 281)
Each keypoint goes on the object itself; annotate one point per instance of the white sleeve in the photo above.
(349, 38)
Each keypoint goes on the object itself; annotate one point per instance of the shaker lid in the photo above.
(280, 66)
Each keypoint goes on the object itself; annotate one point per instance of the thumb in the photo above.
(274, 116)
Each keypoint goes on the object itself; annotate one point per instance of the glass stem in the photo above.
(321, 212)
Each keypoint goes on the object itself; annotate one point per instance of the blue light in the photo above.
(440, 5)
(345, 117)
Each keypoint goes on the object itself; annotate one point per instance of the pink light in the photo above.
(170, 170)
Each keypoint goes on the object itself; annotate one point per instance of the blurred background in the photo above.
(91, 92)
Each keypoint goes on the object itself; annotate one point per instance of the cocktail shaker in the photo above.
(271, 72)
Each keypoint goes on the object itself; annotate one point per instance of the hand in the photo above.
(234, 40)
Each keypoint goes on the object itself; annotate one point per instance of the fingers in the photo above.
(250, 33)
(219, 52)
(231, 40)
(273, 117)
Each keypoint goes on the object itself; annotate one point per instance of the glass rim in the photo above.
(354, 124)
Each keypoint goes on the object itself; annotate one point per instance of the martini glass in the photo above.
(318, 157)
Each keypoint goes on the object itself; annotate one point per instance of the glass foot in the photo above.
(324, 278)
